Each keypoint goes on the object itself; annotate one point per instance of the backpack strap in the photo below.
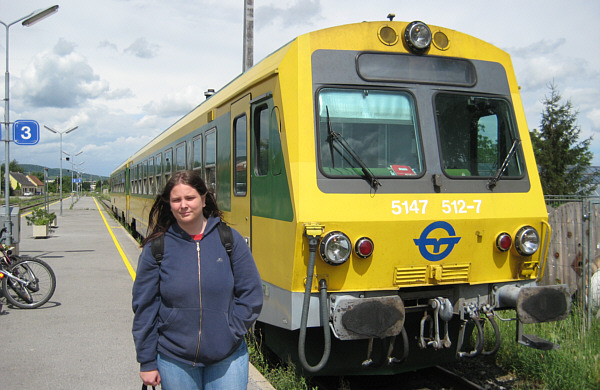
(226, 237)
(157, 246)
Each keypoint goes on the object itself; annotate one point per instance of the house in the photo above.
(21, 184)
(38, 184)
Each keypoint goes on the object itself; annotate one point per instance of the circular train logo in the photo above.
(424, 242)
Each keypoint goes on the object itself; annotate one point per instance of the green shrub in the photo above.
(40, 217)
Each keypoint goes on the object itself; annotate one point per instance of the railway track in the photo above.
(432, 378)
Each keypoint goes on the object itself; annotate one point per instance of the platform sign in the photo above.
(26, 132)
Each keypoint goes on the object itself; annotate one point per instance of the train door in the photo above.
(240, 197)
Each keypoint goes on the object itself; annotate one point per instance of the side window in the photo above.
(151, 176)
(275, 142)
(261, 139)
(197, 153)
(168, 164)
(132, 179)
(240, 156)
(158, 173)
(210, 160)
(180, 157)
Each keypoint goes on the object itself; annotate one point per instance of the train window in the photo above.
(180, 157)
(240, 155)
(275, 142)
(168, 164)
(374, 128)
(145, 177)
(210, 160)
(476, 134)
(158, 171)
(151, 176)
(197, 153)
(261, 139)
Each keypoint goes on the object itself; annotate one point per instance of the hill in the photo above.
(55, 172)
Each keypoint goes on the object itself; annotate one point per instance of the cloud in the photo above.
(594, 117)
(298, 14)
(108, 45)
(143, 49)
(175, 104)
(59, 78)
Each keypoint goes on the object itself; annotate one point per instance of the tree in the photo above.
(562, 159)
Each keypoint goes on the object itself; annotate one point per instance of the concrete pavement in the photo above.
(81, 338)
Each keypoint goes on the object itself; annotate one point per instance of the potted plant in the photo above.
(40, 218)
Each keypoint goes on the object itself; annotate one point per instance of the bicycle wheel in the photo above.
(37, 286)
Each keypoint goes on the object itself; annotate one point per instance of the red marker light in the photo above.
(503, 242)
(364, 247)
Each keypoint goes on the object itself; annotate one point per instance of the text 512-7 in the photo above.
(447, 206)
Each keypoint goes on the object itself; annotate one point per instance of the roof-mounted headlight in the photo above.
(417, 37)
(335, 248)
(527, 241)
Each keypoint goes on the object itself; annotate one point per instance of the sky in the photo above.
(125, 70)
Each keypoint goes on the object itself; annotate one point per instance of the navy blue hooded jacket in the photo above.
(191, 307)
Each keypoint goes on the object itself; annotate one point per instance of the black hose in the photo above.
(312, 244)
(479, 340)
(494, 324)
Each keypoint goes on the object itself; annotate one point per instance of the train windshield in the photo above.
(380, 130)
(476, 135)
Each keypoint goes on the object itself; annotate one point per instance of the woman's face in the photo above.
(187, 205)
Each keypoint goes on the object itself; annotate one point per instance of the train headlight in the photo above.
(364, 247)
(503, 242)
(527, 241)
(335, 248)
(417, 37)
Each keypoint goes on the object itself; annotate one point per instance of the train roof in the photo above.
(269, 65)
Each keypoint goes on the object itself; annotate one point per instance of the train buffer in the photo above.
(81, 338)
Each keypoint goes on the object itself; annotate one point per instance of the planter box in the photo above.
(40, 231)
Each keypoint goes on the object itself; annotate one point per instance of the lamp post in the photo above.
(71, 158)
(60, 133)
(28, 20)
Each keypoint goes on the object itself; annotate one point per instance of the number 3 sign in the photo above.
(26, 132)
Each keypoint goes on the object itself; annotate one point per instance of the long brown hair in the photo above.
(161, 217)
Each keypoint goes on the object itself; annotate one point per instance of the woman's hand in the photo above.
(150, 378)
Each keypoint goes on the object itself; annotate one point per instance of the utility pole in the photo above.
(248, 35)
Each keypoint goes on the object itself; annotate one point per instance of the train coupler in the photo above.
(442, 309)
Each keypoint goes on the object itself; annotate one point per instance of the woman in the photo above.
(193, 309)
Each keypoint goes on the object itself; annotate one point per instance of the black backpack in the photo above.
(158, 244)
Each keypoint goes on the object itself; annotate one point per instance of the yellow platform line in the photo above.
(125, 259)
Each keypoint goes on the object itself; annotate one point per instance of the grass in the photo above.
(282, 376)
(575, 365)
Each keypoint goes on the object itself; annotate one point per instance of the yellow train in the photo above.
(383, 176)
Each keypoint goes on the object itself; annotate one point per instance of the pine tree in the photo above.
(562, 159)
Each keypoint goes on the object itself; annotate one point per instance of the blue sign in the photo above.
(423, 242)
(26, 132)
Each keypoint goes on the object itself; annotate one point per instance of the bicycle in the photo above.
(27, 282)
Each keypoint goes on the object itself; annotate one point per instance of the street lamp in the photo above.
(71, 159)
(28, 20)
(60, 133)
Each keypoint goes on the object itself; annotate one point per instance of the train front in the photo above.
(422, 214)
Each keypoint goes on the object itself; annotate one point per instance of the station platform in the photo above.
(81, 338)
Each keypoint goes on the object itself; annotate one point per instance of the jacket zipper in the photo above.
(200, 295)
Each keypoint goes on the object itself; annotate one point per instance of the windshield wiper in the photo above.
(492, 182)
(332, 135)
